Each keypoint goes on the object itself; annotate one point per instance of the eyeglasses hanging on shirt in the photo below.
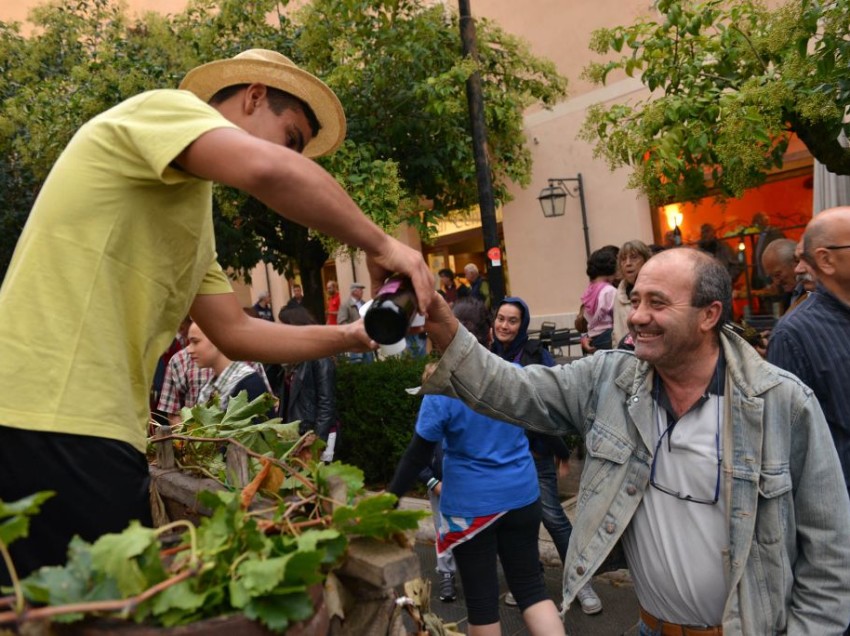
(662, 453)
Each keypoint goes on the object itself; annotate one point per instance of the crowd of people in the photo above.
(721, 468)
(722, 475)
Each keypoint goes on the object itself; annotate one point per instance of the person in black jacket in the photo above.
(308, 390)
(510, 341)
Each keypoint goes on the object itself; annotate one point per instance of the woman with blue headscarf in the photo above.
(510, 341)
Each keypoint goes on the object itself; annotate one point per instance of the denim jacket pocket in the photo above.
(604, 444)
(774, 482)
(772, 514)
(770, 577)
(607, 453)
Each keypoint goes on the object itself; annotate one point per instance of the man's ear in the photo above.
(823, 261)
(252, 97)
(711, 314)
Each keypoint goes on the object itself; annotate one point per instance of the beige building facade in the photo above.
(544, 257)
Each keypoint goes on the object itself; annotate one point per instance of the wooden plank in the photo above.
(236, 461)
(383, 565)
(183, 488)
(164, 449)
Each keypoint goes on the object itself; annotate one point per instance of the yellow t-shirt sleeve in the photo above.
(215, 281)
(158, 137)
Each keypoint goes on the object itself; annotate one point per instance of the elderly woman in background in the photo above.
(631, 258)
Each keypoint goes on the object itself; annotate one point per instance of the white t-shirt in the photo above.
(675, 548)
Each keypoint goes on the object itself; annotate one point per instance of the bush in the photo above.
(378, 416)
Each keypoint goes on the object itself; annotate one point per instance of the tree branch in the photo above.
(823, 143)
(120, 605)
(750, 44)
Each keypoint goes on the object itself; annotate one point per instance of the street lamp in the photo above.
(553, 201)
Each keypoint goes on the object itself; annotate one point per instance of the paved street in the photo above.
(620, 607)
(618, 616)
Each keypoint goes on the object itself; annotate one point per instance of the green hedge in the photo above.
(378, 416)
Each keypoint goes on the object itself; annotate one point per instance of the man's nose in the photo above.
(636, 314)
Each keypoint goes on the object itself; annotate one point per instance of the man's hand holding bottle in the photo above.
(395, 257)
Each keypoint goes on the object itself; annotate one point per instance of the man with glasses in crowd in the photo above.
(714, 467)
(813, 342)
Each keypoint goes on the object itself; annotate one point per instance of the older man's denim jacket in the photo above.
(788, 563)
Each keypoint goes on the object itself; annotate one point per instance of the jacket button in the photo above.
(631, 490)
(580, 570)
(609, 528)
(635, 399)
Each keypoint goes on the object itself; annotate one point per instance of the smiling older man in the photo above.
(714, 467)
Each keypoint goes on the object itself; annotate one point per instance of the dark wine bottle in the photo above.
(389, 316)
(677, 236)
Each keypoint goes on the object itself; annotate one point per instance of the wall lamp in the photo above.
(553, 201)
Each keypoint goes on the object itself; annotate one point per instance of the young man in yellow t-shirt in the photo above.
(121, 238)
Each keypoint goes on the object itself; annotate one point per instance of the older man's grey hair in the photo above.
(782, 249)
(712, 283)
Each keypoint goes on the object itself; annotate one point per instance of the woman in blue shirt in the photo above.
(490, 501)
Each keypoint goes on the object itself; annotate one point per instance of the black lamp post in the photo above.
(553, 201)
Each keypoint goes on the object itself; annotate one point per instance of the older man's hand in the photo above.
(440, 322)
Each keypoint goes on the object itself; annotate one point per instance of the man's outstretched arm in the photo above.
(241, 337)
(302, 191)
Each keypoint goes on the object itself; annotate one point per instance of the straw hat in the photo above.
(267, 67)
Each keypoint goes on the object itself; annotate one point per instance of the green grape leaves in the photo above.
(262, 563)
(130, 558)
(14, 516)
(376, 517)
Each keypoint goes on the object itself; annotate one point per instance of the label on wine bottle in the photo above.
(390, 287)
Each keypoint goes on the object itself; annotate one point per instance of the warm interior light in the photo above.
(674, 215)
(741, 245)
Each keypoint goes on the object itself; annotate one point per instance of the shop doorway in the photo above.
(456, 249)
(780, 208)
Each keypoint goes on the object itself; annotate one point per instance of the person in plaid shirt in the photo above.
(183, 382)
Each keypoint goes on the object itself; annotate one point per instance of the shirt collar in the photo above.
(716, 386)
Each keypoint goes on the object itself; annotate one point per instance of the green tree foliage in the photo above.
(396, 65)
(731, 80)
